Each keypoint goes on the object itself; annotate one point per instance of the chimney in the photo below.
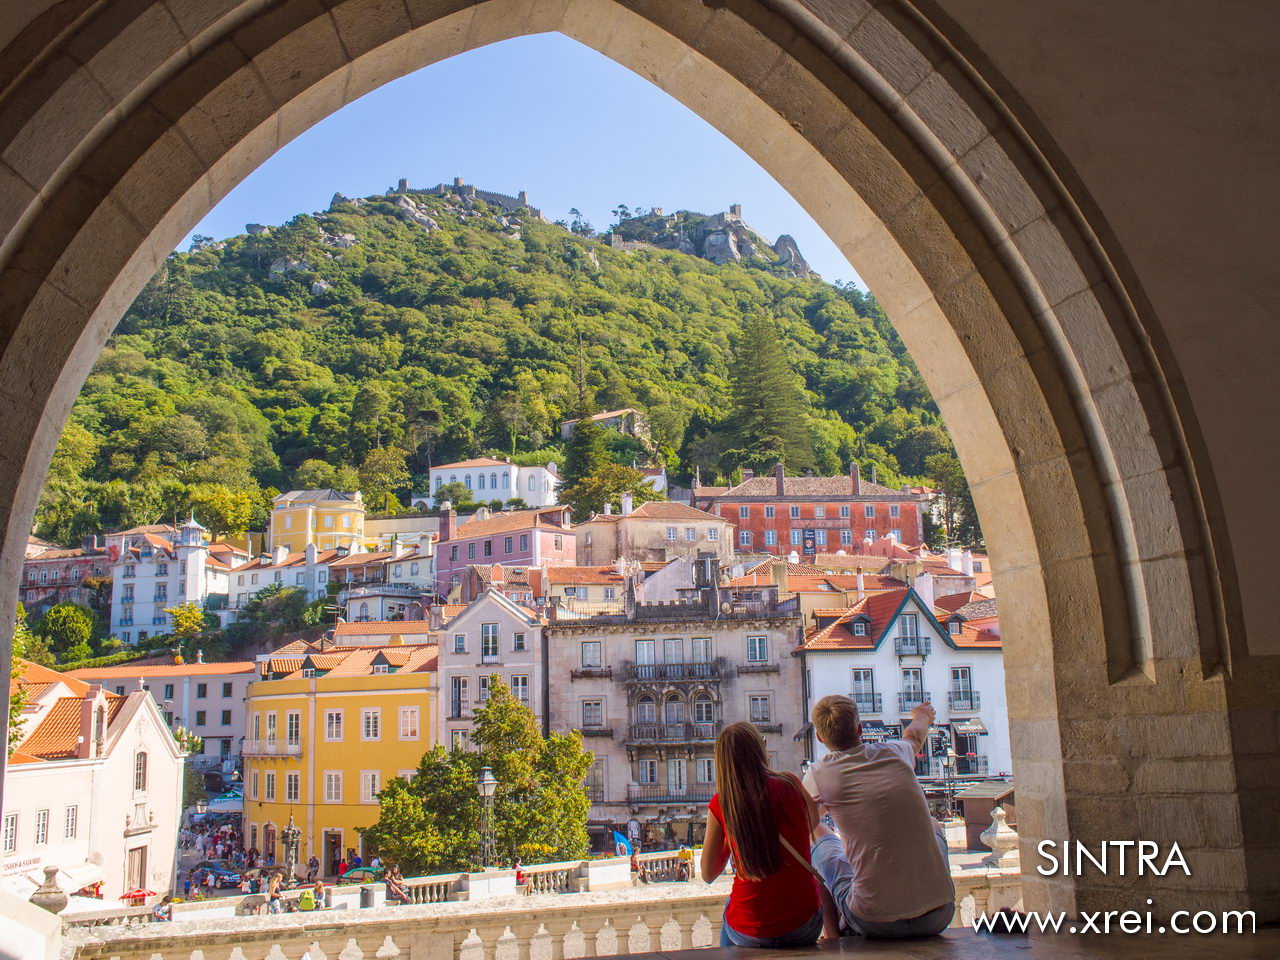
(855, 478)
(955, 558)
(627, 502)
(747, 473)
(608, 509)
(447, 519)
(778, 476)
(199, 656)
(793, 557)
(924, 587)
(279, 554)
(861, 585)
(966, 563)
(697, 481)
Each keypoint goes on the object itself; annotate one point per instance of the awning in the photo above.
(875, 730)
(968, 727)
(803, 732)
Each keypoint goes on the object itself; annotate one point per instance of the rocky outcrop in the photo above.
(410, 210)
(256, 228)
(286, 265)
(789, 256)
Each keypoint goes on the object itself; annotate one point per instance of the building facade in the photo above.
(205, 698)
(522, 538)
(326, 731)
(155, 571)
(491, 635)
(811, 515)
(55, 574)
(306, 570)
(651, 690)
(626, 420)
(94, 787)
(889, 652)
(327, 519)
(658, 530)
(489, 479)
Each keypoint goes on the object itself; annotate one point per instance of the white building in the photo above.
(490, 479)
(492, 634)
(387, 584)
(205, 698)
(889, 652)
(158, 570)
(94, 788)
(307, 569)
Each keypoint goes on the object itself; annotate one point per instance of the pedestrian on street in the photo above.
(313, 867)
(208, 883)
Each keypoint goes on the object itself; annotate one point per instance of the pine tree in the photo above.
(770, 416)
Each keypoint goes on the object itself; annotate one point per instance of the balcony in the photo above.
(681, 732)
(687, 670)
(270, 748)
(964, 700)
(868, 702)
(748, 669)
(590, 673)
(911, 646)
(407, 590)
(765, 726)
(660, 793)
(913, 698)
(597, 732)
(595, 793)
(975, 766)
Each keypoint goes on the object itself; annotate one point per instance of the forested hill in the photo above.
(394, 331)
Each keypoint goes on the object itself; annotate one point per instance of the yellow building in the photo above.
(327, 729)
(328, 518)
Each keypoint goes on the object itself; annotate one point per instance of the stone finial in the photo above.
(1002, 839)
(49, 896)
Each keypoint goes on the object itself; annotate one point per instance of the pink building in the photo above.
(522, 538)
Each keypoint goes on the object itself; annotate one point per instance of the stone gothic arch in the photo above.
(122, 124)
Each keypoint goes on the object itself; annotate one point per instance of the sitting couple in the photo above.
(885, 875)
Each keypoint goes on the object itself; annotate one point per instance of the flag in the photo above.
(621, 845)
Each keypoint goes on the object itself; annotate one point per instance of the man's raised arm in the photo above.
(917, 731)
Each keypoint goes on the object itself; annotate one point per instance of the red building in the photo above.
(810, 515)
(58, 574)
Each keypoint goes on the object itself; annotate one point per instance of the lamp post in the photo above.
(289, 838)
(486, 785)
(949, 770)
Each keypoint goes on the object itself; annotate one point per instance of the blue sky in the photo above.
(540, 113)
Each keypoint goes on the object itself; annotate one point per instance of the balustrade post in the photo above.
(557, 930)
(489, 937)
(685, 920)
(524, 934)
(590, 936)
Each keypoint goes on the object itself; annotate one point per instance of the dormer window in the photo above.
(954, 628)
(859, 628)
(379, 668)
(308, 673)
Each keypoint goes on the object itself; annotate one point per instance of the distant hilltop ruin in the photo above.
(721, 238)
(467, 191)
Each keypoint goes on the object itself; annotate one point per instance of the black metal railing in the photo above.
(672, 732)
(912, 699)
(964, 700)
(971, 766)
(868, 702)
(911, 646)
(685, 670)
(661, 793)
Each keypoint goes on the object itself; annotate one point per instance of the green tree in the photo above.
(455, 493)
(585, 453)
(959, 518)
(431, 823)
(225, 512)
(188, 619)
(193, 789)
(383, 474)
(607, 485)
(770, 411)
(17, 692)
(67, 625)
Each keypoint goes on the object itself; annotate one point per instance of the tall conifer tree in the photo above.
(770, 417)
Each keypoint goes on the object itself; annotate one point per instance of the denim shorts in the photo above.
(804, 935)
(829, 860)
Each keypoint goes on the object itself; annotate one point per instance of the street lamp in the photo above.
(289, 838)
(202, 806)
(949, 771)
(486, 785)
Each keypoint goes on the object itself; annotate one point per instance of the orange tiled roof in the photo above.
(475, 462)
(954, 601)
(129, 671)
(33, 673)
(368, 628)
(764, 567)
(878, 608)
(510, 521)
(56, 736)
(607, 575)
(766, 485)
(360, 559)
(448, 611)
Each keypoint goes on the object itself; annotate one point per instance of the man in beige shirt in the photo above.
(888, 870)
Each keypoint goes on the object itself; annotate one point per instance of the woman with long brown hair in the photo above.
(764, 820)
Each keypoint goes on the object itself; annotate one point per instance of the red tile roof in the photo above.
(132, 670)
(954, 601)
(798, 488)
(514, 520)
(369, 628)
(604, 575)
(476, 462)
(33, 673)
(56, 736)
(879, 608)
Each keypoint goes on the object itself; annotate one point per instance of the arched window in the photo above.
(533, 482)
(140, 770)
(704, 709)
(646, 710)
(481, 479)
(44, 576)
(439, 482)
(493, 481)
(506, 481)
(467, 481)
(673, 710)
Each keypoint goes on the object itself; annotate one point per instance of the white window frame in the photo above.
(333, 786)
(757, 649)
(705, 770)
(520, 687)
(754, 701)
(410, 728)
(42, 828)
(71, 821)
(598, 658)
(593, 713)
(292, 786)
(647, 771)
(370, 731)
(370, 785)
(10, 832)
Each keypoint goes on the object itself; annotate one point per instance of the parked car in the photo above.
(361, 875)
(225, 873)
